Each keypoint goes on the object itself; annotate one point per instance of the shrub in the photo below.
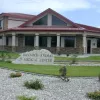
(94, 95)
(2, 56)
(13, 75)
(73, 59)
(26, 98)
(8, 61)
(67, 54)
(34, 84)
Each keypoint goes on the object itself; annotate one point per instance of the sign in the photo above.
(43, 57)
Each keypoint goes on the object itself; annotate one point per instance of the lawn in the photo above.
(90, 58)
(78, 71)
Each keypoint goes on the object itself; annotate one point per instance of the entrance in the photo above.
(88, 46)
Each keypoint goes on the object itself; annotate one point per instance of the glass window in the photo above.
(43, 41)
(53, 41)
(0, 23)
(42, 21)
(29, 40)
(69, 41)
(57, 21)
(98, 42)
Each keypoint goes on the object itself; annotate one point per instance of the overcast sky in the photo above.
(80, 11)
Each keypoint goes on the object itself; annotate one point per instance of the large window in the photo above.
(53, 41)
(43, 41)
(42, 21)
(98, 42)
(57, 21)
(69, 41)
(29, 40)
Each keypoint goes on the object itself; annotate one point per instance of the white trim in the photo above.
(48, 41)
(49, 20)
(58, 40)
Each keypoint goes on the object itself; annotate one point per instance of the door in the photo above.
(88, 46)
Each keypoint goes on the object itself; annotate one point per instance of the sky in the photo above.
(80, 11)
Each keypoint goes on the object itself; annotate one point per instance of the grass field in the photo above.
(78, 71)
(90, 58)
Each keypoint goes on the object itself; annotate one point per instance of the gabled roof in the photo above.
(52, 12)
(17, 15)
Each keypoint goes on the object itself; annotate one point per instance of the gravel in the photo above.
(55, 88)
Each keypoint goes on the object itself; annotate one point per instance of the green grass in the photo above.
(90, 58)
(7, 54)
(25, 98)
(54, 70)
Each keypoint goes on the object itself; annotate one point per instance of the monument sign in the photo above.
(43, 57)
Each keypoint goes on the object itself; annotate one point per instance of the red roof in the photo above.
(52, 12)
(45, 28)
(74, 27)
(18, 15)
(89, 28)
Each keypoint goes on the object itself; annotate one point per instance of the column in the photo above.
(48, 41)
(58, 43)
(36, 42)
(49, 20)
(13, 42)
(62, 42)
(84, 44)
(3, 41)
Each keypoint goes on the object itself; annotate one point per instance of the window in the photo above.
(43, 41)
(0, 23)
(98, 42)
(57, 21)
(53, 41)
(29, 40)
(42, 21)
(69, 41)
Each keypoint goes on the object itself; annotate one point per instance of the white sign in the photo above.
(43, 57)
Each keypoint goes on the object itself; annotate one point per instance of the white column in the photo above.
(3, 40)
(62, 42)
(13, 39)
(37, 40)
(84, 43)
(49, 22)
(58, 40)
(48, 41)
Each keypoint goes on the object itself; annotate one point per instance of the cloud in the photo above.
(36, 6)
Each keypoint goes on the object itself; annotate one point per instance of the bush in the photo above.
(13, 75)
(67, 54)
(34, 84)
(8, 61)
(26, 98)
(94, 95)
(74, 59)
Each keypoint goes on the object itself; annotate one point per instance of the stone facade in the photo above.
(96, 50)
(78, 49)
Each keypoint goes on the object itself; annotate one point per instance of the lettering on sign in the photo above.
(42, 56)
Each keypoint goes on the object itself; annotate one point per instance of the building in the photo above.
(49, 30)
